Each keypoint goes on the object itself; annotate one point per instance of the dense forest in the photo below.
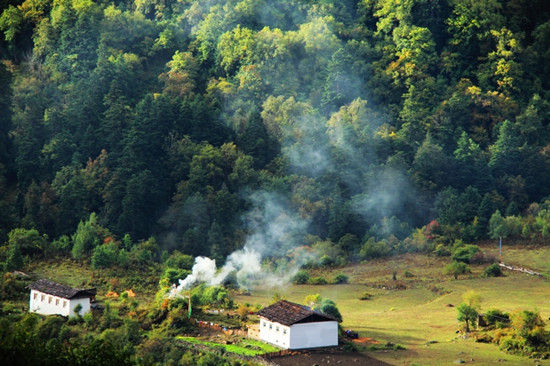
(194, 125)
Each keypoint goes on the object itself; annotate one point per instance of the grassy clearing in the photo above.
(420, 317)
(245, 347)
(143, 282)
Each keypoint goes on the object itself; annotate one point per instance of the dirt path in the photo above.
(327, 357)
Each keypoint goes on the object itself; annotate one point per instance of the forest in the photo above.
(161, 125)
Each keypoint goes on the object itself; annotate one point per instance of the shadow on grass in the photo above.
(384, 334)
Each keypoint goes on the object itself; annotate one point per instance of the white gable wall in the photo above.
(274, 333)
(84, 301)
(311, 335)
(46, 304)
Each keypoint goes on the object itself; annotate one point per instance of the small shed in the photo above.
(293, 326)
(48, 298)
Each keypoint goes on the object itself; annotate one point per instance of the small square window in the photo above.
(42, 297)
(56, 302)
(64, 303)
(276, 329)
(284, 331)
(270, 326)
(263, 323)
(49, 299)
(35, 295)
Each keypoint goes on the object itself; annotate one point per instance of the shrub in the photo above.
(372, 249)
(493, 270)
(326, 261)
(497, 318)
(408, 274)
(172, 275)
(105, 256)
(61, 245)
(301, 277)
(340, 278)
(456, 268)
(318, 281)
(464, 253)
(328, 307)
(179, 260)
(442, 251)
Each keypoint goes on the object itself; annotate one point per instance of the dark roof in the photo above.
(57, 289)
(288, 313)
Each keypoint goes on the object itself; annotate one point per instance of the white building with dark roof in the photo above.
(48, 298)
(294, 326)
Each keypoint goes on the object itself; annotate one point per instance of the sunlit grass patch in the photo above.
(245, 347)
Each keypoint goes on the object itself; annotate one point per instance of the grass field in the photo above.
(245, 347)
(419, 317)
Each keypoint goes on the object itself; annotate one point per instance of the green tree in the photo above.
(467, 314)
(14, 260)
(455, 269)
(105, 255)
(29, 242)
(86, 237)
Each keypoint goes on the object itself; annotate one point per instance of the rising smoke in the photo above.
(275, 230)
(316, 146)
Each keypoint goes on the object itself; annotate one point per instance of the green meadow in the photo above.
(422, 317)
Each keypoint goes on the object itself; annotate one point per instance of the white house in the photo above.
(293, 326)
(48, 297)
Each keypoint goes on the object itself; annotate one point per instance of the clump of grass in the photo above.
(365, 296)
(389, 346)
(317, 281)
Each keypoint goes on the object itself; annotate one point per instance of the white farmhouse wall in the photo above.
(274, 333)
(311, 335)
(85, 302)
(46, 304)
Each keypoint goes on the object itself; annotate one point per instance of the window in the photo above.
(35, 295)
(49, 299)
(42, 297)
(64, 303)
(56, 302)
(276, 329)
(284, 331)
(264, 323)
(270, 326)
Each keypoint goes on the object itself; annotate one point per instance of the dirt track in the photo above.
(327, 357)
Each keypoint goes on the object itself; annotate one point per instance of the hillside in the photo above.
(163, 150)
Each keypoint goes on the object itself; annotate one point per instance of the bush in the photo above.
(326, 261)
(408, 274)
(497, 318)
(464, 253)
(456, 268)
(172, 275)
(328, 307)
(493, 270)
(372, 249)
(61, 245)
(442, 251)
(179, 260)
(301, 277)
(318, 281)
(105, 256)
(340, 278)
